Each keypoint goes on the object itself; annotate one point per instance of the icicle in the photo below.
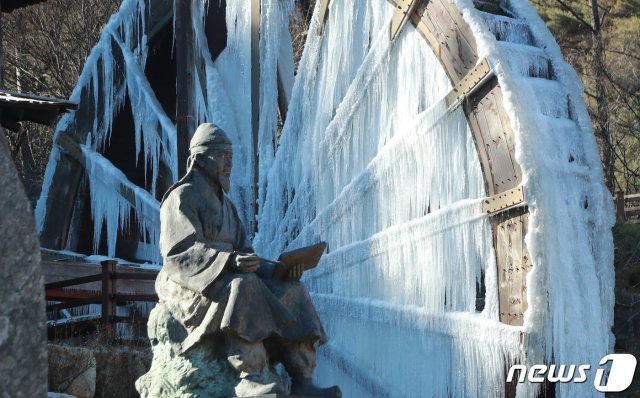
(154, 131)
(274, 14)
(229, 99)
(110, 209)
(508, 29)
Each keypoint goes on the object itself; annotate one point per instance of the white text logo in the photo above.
(619, 377)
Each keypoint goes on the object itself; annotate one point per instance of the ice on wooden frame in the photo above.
(110, 209)
(371, 162)
(113, 71)
(124, 40)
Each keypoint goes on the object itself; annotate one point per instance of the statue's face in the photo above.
(217, 165)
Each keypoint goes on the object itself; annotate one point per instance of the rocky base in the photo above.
(203, 373)
(103, 371)
(199, 375)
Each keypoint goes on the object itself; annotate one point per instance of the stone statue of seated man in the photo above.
(220, 327)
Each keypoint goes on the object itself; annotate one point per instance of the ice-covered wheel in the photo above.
(392, 151)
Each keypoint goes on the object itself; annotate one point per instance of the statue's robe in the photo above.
(200, 295)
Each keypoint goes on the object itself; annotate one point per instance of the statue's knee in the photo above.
(245, 356)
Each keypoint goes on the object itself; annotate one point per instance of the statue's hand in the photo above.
(295, 273)
(244, 262)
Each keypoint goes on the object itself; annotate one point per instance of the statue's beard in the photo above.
(221, 179)
(225, 182)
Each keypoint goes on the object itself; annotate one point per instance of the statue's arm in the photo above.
(189, 258)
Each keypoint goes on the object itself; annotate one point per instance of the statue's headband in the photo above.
(209, 136)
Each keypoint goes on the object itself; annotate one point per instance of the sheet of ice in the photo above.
(415, 352)
(229, 102)
(228, 82)
(274, 15)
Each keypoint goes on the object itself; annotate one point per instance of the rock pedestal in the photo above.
(201, 374)
(23, 337)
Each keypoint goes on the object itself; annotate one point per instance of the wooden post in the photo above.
(620, 214)
(108, 297)
(185, 86)
(255, 100)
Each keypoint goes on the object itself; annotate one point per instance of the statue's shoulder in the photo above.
(186, 188)
(180, 194)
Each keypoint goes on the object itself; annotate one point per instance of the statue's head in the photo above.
(210, 151)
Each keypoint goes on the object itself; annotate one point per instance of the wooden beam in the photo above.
(503, 201)
(65, 182)
(324, 11)
(404, 9)
(160, 13)
(447, 34)
(131, 279)
(632, 197)
(108, 301)
(60, 203)
(513, 263)
(185, 81)
(620, 206)
(469, 83)
(632, 211)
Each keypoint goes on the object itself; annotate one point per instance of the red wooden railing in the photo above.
(85, 290)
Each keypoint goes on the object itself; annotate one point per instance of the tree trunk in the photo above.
(601, 113)
(28, 163)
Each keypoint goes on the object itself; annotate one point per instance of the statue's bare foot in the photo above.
(306, 387)
(250, 388)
